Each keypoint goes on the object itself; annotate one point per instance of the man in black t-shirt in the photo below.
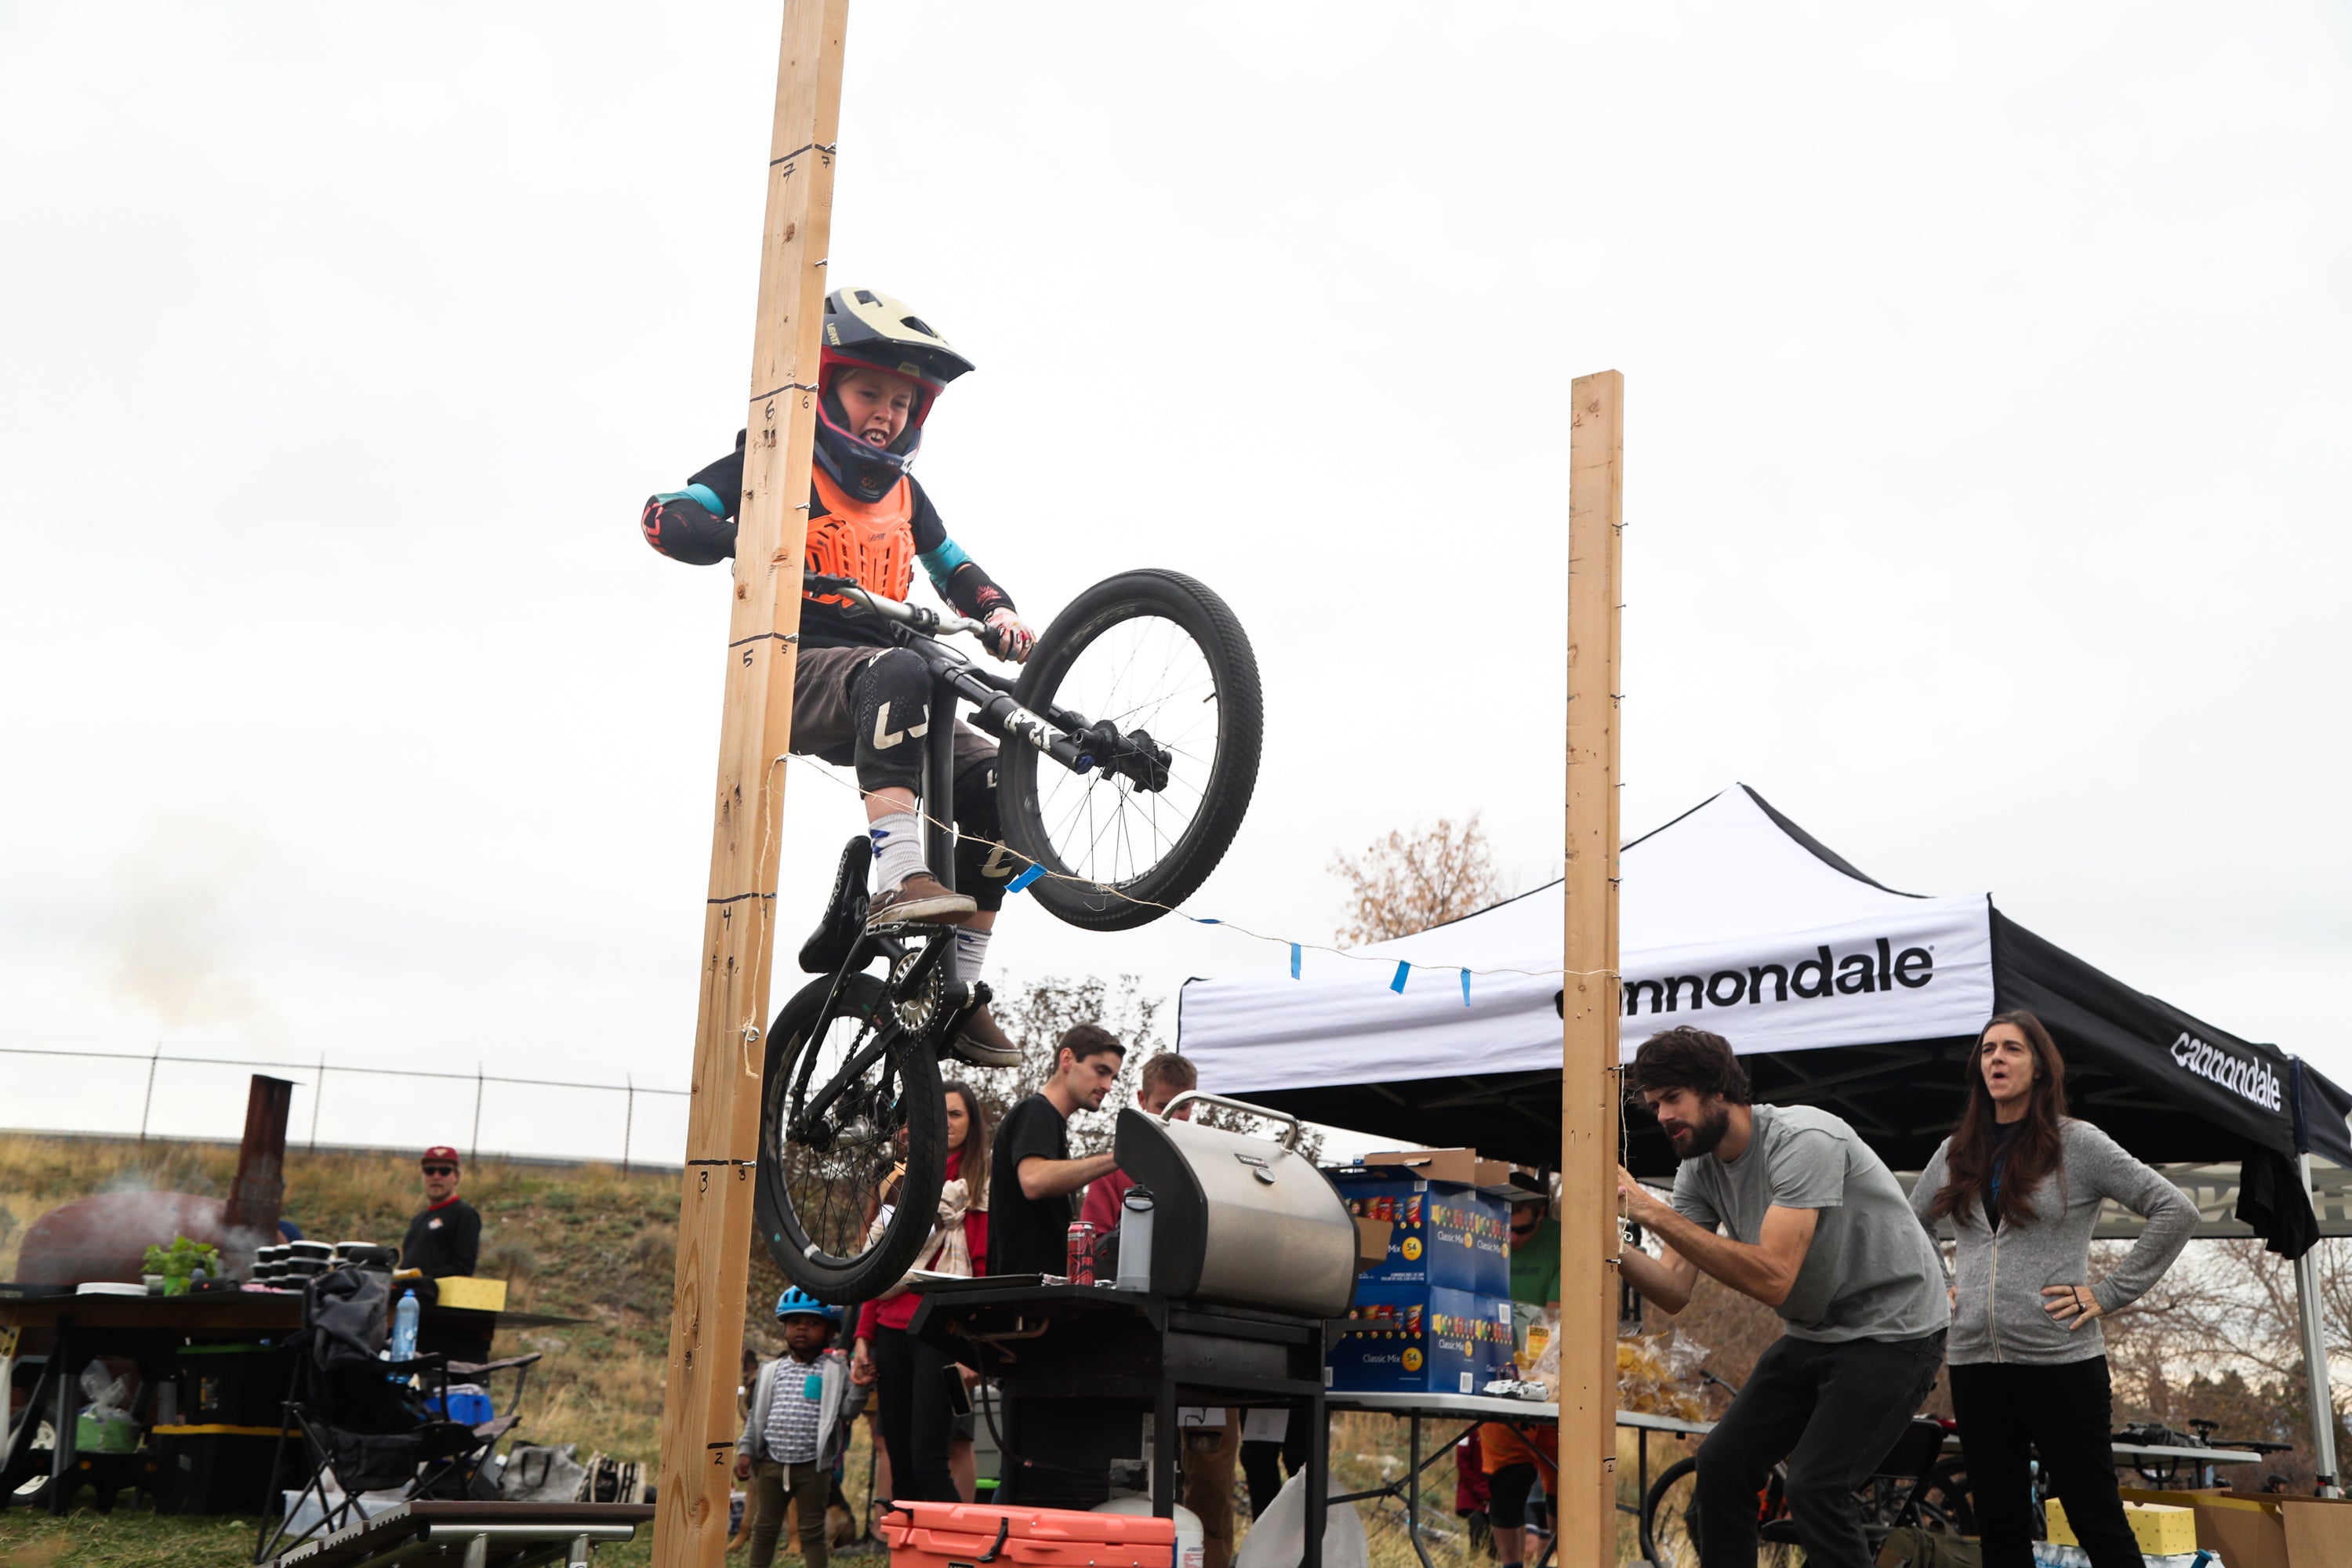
(446, 1238)
(1032, 1182)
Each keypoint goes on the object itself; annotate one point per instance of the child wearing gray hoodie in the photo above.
(2020, 1184)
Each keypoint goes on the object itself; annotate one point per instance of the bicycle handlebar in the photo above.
(930, 623)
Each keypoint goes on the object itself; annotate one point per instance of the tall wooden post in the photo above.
(714, 1230)
(1588, 1076)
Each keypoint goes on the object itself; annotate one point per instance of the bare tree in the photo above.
(1409, 882)
(1036, 1014)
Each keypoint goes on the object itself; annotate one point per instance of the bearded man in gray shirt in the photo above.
(1819, 1231)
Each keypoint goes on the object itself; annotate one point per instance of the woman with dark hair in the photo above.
(2021, 1182)
(919, 1427)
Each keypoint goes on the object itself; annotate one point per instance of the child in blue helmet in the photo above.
(803, 1408)
(857, 698)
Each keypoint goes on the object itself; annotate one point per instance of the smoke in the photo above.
(168, 940)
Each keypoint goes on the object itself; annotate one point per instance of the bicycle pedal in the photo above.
(828, 947)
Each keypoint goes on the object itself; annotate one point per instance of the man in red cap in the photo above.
(446, 1238)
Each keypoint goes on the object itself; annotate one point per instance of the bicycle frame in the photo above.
(1060, 733)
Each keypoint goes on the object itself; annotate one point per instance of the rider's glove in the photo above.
(1009, 637)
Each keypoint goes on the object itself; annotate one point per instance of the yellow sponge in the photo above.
(2161, 1529)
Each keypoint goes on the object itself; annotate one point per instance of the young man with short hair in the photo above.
(1820, 1232)
(1032, 1180)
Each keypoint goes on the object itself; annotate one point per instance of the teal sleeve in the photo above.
(941, 564)
(702, 496)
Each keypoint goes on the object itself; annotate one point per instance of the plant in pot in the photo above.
(181, 1262)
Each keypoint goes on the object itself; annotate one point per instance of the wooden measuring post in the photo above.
(714, 1229)
(1587, 1514)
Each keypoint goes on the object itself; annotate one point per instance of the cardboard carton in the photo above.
(1443, 1234)
(1408, 1339)
(1433, 1164)
(1371, 1243)
(2319, 1530)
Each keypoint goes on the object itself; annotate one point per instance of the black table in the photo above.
(66, 1332)
(1082, 1365)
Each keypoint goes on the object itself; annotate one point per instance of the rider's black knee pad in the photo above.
(982, 863)
(894, 702)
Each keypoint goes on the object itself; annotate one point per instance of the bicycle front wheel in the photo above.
(1669, 1523)
(1159, 659)
(848, 1097)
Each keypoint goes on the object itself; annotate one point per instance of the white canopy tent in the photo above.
(1731, 918)
(1835, 990)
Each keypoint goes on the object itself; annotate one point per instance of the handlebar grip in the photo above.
(819, 583)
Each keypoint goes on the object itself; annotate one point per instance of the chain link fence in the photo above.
(54, 1089)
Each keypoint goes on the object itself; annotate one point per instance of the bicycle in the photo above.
(1908, 1488)
(1112, 821)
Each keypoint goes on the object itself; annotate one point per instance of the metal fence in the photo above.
(315, 1075)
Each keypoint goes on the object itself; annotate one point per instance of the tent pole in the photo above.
(2315, 1353)
(723, 1133)
(1586, 1517)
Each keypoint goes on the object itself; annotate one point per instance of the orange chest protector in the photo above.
(871, 541)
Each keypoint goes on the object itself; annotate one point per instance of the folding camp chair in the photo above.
(362, 1424)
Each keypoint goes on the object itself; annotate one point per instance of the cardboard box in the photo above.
(1371, 1243)
(2246, 1535)
(1443, 1234)
(1406, 1339)
(480, 1295)
(1430, 1164)
(2319, 1530)
(2160, 1528)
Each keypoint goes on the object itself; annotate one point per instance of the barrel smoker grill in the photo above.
(1239, 1219)
(1252, 1252)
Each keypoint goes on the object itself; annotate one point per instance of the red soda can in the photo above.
(1081, 1269)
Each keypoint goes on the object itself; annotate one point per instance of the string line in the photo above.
(1034, 873)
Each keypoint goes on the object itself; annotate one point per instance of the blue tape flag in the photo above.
(1024, 880)
(1397, 985)
(1465, 988)
(1294, 960)
(1204, 920)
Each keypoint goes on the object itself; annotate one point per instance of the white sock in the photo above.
(898, 850)
(971, 952)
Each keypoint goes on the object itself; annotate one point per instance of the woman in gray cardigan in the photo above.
(2021, 1184)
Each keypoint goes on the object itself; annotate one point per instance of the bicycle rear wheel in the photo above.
(1159, 659)
(847, 1095)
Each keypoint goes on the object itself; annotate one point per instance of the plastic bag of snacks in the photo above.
(1655, 1375)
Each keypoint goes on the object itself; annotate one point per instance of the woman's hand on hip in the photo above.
(2073, 1305)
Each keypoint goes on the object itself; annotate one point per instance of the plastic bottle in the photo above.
(1134, 1241)
(403, 1327)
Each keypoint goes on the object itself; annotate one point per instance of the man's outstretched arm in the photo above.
(1043, 1178)
(1765, 1270)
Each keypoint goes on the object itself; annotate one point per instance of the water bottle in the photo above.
(403, 1327)
(1134, 1241)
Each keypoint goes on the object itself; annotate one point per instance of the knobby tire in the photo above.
(839, 1277)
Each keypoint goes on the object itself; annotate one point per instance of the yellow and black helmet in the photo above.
(863, 326)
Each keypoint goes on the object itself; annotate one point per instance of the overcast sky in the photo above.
(1986, 377)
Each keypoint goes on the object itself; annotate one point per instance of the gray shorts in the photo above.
(825, 708)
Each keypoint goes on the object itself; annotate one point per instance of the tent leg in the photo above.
(2314, 1356)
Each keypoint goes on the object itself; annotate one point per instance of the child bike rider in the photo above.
(856, 697)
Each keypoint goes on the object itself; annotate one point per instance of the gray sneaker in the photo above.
(917, 900)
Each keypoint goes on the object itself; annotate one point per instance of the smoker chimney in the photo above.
(250, 1217)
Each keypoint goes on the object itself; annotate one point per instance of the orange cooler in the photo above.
(938, 1534)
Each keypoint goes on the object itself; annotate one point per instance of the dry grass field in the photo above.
(586, 1242)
